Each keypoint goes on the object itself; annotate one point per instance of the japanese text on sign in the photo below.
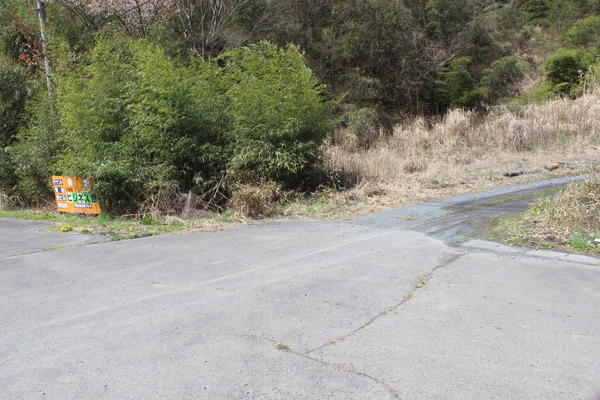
(72, 194)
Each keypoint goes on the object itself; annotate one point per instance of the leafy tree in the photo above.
(13, 96)
(501, 77)
(446, 18)
(374, 51)
(566, 68)
(279, 118)
(584, 32)
(554, 14)
(457, 88)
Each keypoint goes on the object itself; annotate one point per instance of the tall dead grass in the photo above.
(255, 200)
(577, 207)
(461, 138)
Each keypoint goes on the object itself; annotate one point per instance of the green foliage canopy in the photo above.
(13, 95)
(278, 115)
(457, 88)
(566, 68)
(137, 121)
(584, 32)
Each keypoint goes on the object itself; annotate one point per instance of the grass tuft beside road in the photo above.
(118, 228)
(569, 221)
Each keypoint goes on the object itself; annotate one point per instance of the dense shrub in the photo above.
(566, 68)
(136, 120)
(34, 153)
(584, 32)
(279, 117)
(501, 77)
(140, 122)
(8, 177)
(456, 88)
(13, 96)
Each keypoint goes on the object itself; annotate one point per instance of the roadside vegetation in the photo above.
(570, 220)
(245, 109)
(124, 227)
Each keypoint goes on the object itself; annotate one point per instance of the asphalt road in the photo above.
(390, 306)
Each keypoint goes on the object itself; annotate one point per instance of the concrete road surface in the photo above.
(383, 307)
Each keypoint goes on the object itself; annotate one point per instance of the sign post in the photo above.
(73, 195)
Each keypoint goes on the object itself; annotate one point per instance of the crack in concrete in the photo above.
(422, 282)
(395, 393)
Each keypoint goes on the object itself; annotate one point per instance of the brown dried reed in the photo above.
(463, 137)
(575, 208)
(254, 200)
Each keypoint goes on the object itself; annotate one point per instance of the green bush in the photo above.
(93, 110)
(279, 117)
(36, 149)
(457, 88)
(584, 32)
(8, 176)
(143, 124)
(566, 68)
(138, 121)
(501, 77)
(13, 96)
(176, 121)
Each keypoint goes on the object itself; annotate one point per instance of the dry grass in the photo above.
(423, 160)
(465, 152)
(165, 201)
(12, 202)
(577, 208)
(254, 201)
(570, 220)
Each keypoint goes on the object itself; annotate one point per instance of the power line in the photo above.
(110, 19)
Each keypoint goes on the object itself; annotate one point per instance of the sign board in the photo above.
(72, 194)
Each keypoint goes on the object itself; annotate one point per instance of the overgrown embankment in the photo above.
(202, 106)
(466, 151)
(156, 133)
(570, 220)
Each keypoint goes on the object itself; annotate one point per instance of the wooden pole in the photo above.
(41, 10)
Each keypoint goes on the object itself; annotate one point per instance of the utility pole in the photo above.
(41, 11)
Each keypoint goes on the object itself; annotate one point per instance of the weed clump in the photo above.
(569, 220)
(255, 200)
(576, 208)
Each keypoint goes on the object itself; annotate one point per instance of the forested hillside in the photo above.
(162, 97)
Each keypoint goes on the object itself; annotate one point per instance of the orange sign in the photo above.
(73, 195)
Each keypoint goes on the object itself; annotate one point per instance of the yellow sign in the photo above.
(73, 195)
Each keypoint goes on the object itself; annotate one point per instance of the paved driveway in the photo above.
(364, 309)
